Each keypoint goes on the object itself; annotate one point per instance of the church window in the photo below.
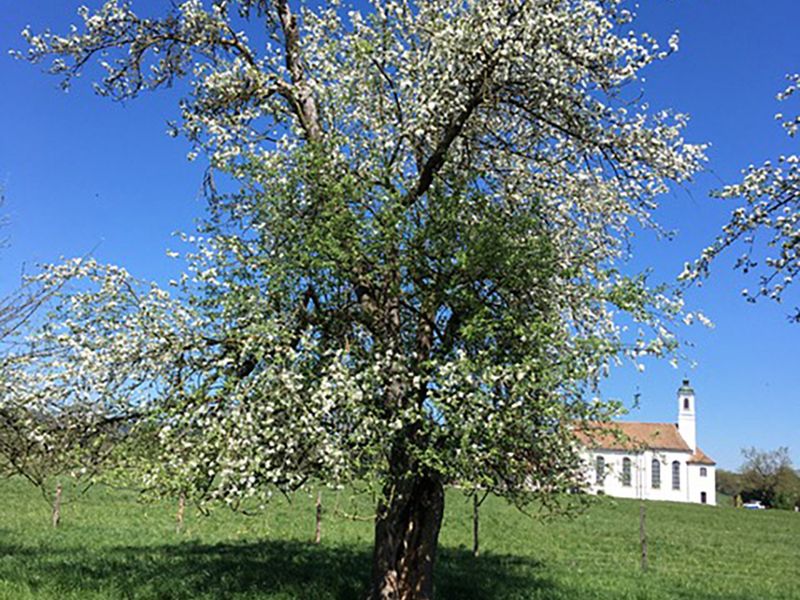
(600, 469)
(703, 472)
(686, 404)
(626, 471)
(655, 475)
(703, 498)
(676, 475)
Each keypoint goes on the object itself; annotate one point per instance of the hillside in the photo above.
(111, 546)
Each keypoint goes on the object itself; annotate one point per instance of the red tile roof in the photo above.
(634, 436)
(701, 458)
(620, 435)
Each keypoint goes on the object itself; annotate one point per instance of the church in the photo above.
(651, 461)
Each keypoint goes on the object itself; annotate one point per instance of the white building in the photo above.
(652, 461)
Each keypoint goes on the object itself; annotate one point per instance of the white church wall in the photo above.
(690, 482)
(612, 483)
(675, 491)
(699, 483)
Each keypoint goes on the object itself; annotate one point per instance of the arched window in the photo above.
(655, 474)
(686, 404)
(676, 475)
(703, 472)
(600, 469)
(626, 471)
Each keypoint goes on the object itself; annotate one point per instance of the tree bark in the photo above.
(406, 539)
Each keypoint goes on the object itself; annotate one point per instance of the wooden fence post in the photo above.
(181, 512)
(57, 506)
(643, 535)
(318, 528)
(475, 525)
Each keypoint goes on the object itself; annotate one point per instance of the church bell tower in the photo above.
(686, 415)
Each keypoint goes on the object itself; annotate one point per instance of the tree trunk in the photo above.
(406, 539)
(56, 517)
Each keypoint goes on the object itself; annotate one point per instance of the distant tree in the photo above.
(46, 453)
(33, 443)
(728, 482)
(771, 194)
(46, 434)
(768, 476)
(421, 273)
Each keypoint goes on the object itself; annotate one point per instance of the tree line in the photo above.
(766, 475)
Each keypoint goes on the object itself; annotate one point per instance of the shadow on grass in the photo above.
(283, 570)
(269, 569)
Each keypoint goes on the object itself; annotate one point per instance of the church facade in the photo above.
(651, 461)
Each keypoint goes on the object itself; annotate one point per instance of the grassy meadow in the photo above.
(111, 546)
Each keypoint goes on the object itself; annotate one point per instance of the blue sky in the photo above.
(82, 174)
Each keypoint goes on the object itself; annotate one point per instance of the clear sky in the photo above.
(82, 174)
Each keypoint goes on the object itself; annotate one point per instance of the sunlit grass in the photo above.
(111, 546)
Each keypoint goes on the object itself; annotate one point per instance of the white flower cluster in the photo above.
(771, 194)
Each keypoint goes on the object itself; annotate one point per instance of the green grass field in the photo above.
(111, 546)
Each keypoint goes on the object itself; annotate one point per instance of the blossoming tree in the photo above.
(771, 194)
(417, 274)
(34, 443)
